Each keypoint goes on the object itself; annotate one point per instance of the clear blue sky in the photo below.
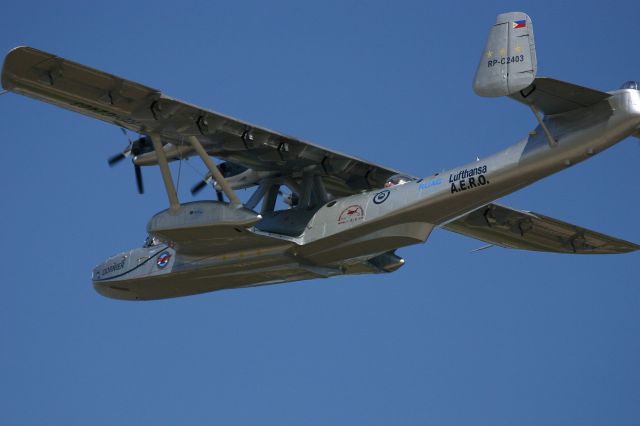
(493, 338)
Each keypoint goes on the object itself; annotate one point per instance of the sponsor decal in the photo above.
(351, 214)
(112, 268)
(163, 259)
(468, 178)
(381, 196)
(430, 184)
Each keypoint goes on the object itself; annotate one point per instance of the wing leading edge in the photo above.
(145, 110)
(510, 228)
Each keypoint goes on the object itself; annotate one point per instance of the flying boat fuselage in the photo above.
(358, 233)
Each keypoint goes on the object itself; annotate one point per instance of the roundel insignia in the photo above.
(381, 196)
(163, 259)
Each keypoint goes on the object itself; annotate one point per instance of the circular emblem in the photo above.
(381, 196)
(163, 259)
(351, 214)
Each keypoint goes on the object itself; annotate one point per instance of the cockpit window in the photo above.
(630, 85)
(398, 180)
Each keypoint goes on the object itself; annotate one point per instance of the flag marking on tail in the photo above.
(520, 24)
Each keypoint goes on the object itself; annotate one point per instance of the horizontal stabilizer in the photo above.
(555, 97)
(524, 230)
(508, 62)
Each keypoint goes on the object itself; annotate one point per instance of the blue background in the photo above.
(497, 337)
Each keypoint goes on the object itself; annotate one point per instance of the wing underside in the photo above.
(145, 110)
(510, 228)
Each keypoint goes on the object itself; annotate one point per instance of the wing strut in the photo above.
(174, 204)
(552, 141)
(195, 143)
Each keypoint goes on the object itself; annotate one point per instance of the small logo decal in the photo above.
(163, 259)
(351, 214)
(381, 196)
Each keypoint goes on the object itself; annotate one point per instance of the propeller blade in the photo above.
(229, 169)
(126, 134)
(139, 179)
(116, 159)
(198, 187)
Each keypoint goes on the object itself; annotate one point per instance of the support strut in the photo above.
(552, 141)
(217, 176)
(307, 188)
(174, 204)
(258, 194)
(269, 202)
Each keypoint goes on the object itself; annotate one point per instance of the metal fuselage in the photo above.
(355, 234)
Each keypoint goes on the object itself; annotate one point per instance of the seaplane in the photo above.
(317, 213)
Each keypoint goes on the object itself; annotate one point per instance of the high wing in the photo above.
(145, 110)
(510, 228)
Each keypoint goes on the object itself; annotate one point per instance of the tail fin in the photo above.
(508, 63)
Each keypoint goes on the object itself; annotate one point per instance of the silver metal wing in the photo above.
(517, 229)
(145, 110)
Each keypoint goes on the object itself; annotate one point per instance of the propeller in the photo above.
(140, 146)
(139, 183)
(115, 159)
(227, 169)
(201, 185)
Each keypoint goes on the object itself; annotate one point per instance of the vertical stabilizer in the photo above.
(508, 62)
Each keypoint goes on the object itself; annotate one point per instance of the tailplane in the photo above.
(508, 67)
